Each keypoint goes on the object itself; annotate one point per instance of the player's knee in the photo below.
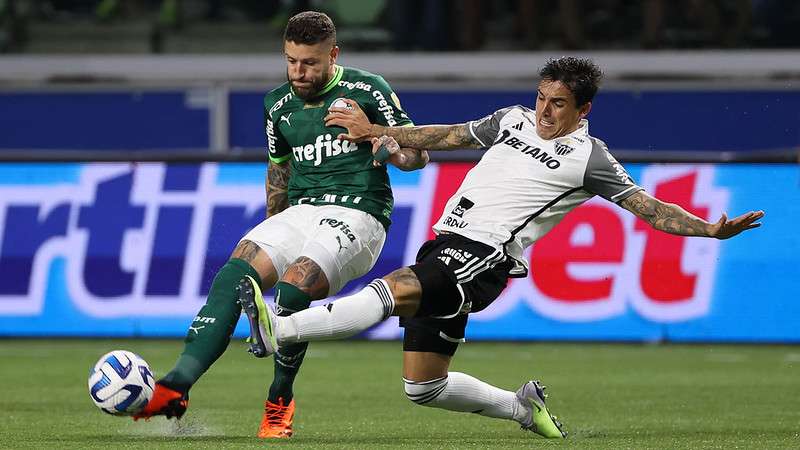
(406, 291)
(425, 393)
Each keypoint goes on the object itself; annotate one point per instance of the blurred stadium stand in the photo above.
(197, 26)
(183, 78)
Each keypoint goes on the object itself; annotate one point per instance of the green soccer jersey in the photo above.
(326, 170)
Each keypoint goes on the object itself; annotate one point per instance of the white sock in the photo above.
(465, 393)
(344, 317)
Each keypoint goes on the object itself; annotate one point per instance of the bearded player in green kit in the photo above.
(328, 207)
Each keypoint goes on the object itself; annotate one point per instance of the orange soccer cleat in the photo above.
(277, 421)
(165, 402)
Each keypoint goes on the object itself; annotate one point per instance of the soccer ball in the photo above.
(121, 383)
(339, 103)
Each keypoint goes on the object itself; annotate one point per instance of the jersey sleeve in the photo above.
(485, 129)
(277, 147)
(383, 106)
(606, 177)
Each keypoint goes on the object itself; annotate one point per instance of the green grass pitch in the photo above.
(350, 395)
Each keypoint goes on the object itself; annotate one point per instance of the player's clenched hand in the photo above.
(725, 228)
(352, 118)
(395, 156)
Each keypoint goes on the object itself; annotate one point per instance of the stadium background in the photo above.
(133, 160)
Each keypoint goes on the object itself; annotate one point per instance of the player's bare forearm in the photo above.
(404, 158)
(412, 159)
(666, 217)
(277, 187)
(676, 220)
(431, 137)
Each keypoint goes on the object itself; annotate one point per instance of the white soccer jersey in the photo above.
(524, 184)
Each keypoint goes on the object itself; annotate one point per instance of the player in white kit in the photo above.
(540, 165)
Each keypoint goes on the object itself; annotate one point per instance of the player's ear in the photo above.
(583, 111)
(334, 54)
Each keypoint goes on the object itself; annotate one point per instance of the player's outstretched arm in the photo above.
(277, 187)
(430, 137)
(673, 219)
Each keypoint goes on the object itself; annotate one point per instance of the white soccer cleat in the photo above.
(531, 395)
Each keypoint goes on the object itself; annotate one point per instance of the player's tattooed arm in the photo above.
(277, 187)
(673, 219)
(413, 159)
(431, 137)
(406, 159)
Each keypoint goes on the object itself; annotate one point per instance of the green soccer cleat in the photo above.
(262, 337)
(531, 395)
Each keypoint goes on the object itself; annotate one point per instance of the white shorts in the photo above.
(344, 242)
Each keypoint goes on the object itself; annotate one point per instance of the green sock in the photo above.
(210, 332)
(290, 299)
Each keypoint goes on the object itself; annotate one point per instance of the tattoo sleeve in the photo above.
(666, 217)
(432, 137)
(277, 187)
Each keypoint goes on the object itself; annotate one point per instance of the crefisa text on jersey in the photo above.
(324, 146)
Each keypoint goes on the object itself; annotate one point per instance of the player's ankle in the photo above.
(174, 385)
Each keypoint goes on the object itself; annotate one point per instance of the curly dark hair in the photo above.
(581, 75)
(309, 28)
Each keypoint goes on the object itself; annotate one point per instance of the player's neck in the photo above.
(573, 129)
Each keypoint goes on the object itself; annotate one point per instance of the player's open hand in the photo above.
(351, 118)
(725, 228)
(390, 152)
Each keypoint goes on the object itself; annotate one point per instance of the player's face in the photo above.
(309, 67)
(556, 112)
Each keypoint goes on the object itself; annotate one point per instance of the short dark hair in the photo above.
(581, 76)
(309, 28)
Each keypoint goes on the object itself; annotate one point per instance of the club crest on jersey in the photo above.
(324, 147)
(563, 149)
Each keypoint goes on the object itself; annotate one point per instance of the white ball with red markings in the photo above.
(121, 383)
(340, 103)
